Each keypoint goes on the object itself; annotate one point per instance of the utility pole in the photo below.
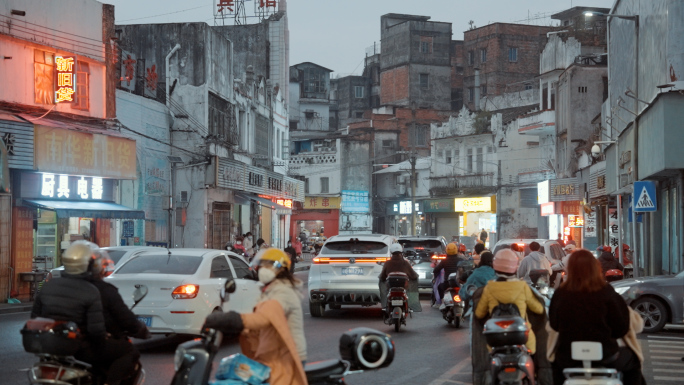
(412, 159)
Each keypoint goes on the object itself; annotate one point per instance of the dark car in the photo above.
(420, 251)
(659, 300)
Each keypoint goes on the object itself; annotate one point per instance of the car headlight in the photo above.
(622, 290)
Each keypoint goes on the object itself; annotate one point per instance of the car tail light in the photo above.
(185, 292)
(457, 298)
(439, 256)
(504, 324)
(324, 260)
(510, 370)
(49, 372)
(521, 245)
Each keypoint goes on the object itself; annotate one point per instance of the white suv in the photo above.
(346, 271)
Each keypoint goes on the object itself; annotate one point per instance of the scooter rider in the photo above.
(397, 264)
(72, 297)
(449, 265)
(120, 322)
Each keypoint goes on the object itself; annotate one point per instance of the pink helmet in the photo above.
(505, 261)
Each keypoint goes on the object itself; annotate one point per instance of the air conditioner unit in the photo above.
(184, 197)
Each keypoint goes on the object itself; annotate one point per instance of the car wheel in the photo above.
(316, 309)
(653, 311)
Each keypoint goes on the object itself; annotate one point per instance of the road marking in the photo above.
(676, 351)
(668, 370)
(661, 378)
(666, 338)
(666, 364)
(666, 358)
(446, 377)
(655, 342)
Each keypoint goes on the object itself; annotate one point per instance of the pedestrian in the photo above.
(248, 243)
(292, 253)
(298, 248)
(560, 240)
(604, 318)
(533, 261)
(483, 236)
(570, 241)
(481, 275)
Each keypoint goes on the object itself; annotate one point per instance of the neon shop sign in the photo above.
(71, 187)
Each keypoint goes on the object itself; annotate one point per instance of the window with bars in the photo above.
(471, 58)
(469, 161)
(483, 55)
(456, 157)
(480, 160)
(358, 92)
(425, 47)
(448, 156)
(419, 136)
(325, 185)
(222, 122)
(512, 54)
(471, 94)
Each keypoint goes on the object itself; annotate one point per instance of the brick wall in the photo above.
(395, 86)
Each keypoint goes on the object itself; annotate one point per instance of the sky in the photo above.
(336, 33)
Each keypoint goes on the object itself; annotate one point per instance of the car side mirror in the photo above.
(228, 288)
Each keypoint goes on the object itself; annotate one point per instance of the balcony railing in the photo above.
(319, 158)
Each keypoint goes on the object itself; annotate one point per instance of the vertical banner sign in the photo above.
(590, 224)
(65, 79)
(613, 228)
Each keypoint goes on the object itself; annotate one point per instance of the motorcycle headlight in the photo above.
(178, 358)
(622, 290)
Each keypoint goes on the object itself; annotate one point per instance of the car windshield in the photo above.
(115, 255)
(355, 247)
(469, 242)
(423, 244)
(161, 264)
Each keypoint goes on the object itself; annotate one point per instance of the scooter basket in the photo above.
(505, 331)
(397, 280)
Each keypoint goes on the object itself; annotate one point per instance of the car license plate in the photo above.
(397, 302)
(352, 271)
(146, 320)
(421, 275)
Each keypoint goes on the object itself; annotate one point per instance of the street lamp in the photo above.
(635, 96)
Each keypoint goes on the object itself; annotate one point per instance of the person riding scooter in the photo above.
(72, 297)
(449, 265)
(608, 261)
(120, 322)
(398, 264)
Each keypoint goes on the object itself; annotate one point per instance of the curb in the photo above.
(302, 268)
(18, 308)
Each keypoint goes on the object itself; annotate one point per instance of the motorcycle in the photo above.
(361, 349)
(397, 308)
(587, 352)
(452, 307)
(56, 342)
(506, 333)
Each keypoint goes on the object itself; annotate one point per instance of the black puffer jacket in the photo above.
(449, 264)
(72, 298)
(609, 262)
(119, 320)
(397, 265)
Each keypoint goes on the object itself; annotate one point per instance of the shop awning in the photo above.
(263, 201)
(105, 210)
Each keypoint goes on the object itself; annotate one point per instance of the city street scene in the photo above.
(358, 192)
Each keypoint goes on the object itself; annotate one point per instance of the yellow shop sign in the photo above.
(478, 204)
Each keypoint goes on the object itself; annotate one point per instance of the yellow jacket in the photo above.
(516, 292)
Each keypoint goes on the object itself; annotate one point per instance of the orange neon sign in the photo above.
(66, 79)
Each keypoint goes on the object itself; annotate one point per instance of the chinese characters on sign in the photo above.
(564, 189)
(575, 221)
(285, 202)
(355, 201)
(469, 205)
(405, 207)
(66, 78)
(22, 238)
(601, 182)
(64, 187)
(613, 228)
(590, 224)
(312, 203)
(80, 153)
(226, 4)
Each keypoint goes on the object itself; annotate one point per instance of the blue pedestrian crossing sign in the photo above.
(644, 197)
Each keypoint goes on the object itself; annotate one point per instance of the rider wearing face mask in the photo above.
(274, 333)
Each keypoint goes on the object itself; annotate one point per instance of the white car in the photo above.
(184, 287)
(551, 248)
(346, 271)
(118, 254)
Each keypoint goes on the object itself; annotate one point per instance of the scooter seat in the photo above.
(324, 369)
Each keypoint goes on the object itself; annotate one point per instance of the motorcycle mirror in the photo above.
(228, 287)
(139, 293)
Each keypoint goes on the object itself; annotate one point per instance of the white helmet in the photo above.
(396, 248)
(77, 257)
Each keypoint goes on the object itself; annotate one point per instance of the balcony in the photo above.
(305, 159)
(462, 184)
(538, 123)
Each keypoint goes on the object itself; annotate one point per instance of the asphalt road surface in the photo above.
(427, 350)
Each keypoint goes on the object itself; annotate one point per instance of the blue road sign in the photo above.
(645, 197)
